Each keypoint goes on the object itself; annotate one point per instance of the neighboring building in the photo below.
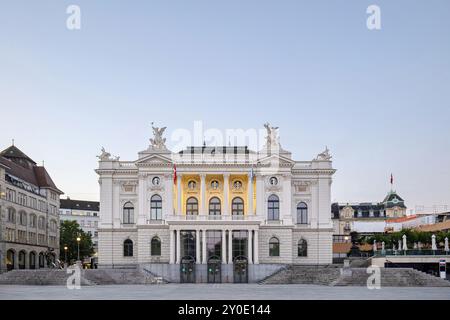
(236, 211)
(367, 217)
(86, 213)
(29, 220)
(437, 227)
(409, 222)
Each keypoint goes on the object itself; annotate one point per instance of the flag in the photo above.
(392, 179)
(174, 173)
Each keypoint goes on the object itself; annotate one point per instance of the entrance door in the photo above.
(10, 259)
(240, 269)
(22, 256)
(187, 270)
(214, 270)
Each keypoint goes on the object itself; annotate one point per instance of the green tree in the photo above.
(70, 231)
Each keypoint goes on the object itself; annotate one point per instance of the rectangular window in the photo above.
(214, 244)
(10, 195)
(240, 243)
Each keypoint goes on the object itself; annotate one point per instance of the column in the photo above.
(203, 210)
(169, 199)
(172, 247)
(226, 197)
(197, 247)
(179, 178)
(224, 247)
(250, 247)
(230, 246)
(256, 253)
(178, 247)
(286, 204)
(250, 195)
(117, 208)
(141, 212)
(260, 212)
(204, 246)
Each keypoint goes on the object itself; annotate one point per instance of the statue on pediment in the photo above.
(158, 142)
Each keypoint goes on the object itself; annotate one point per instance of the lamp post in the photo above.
(78, 243)
(65, 254)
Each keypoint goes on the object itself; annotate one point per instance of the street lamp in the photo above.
(65, 254)
(78, 243)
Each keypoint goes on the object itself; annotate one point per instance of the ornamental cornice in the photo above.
(314, 171)
(301, 183)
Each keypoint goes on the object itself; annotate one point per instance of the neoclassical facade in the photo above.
(214, 214)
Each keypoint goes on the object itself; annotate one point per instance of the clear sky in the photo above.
(380, 100)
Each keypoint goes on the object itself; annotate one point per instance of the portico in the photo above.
(226, 242)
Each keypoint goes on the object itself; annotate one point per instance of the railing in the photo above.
(213, 218)
(413, 252)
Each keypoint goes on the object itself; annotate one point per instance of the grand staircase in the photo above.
(300, 274)
(89, 277)
(337, 276)
(392, 277)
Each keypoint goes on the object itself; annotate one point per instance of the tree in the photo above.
(69, 232)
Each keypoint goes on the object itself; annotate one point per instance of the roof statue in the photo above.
(158, 142)
(104, 156)
(272, 138)
(324, 156)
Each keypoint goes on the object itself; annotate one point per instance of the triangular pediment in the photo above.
(156, 159)
(276, 159)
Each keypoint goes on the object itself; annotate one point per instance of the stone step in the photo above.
(333, 276)
(88, 277)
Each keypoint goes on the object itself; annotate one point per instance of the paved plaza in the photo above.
(219, 292)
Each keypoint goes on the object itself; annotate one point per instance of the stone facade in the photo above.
(223, 203)
(29, 220)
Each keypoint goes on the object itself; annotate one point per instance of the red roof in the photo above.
(21, 166)
(402, 219)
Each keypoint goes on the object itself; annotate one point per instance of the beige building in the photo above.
(29, 213)
(368, 217)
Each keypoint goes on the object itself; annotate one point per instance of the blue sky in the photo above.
(380, 100)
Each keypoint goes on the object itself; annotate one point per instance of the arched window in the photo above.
(155, 246)
(302, 248)
(302, 213)
(237, 207)
(273, 208)
(53, 225)
(41, 260)
(32, 260)
(23, 218)
(11, 215)
(128, 213)
(274, 247)
(156, 207)
(192, 206)
(128, 248)
(214, 207)
(22, 255)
